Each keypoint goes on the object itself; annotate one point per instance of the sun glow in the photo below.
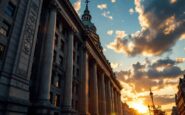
(139, 106)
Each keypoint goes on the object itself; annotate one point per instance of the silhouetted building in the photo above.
(52, 63)
(180, 97)
(174, 111)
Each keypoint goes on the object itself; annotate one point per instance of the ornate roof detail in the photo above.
(86, 18)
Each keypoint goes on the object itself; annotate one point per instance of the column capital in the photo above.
(52, 5)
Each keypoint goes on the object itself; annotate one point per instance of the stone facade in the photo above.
(180, 97)
(52, 63)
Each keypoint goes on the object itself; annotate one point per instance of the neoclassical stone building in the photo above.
(51, 62)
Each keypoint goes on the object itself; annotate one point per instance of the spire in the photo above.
(86, 18)
(87, 3)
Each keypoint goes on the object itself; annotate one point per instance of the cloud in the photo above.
(102, 6)
(182, 36)
(105, 12)
(77, 5)
(107, 15)
(150, 74)
(117, 43)
(160, 100)
(173, 1)
(115, 65)
(180, 59)
(110, 32)
(113, 1)
(131, 11)
(159, 33)
(120, 33)
(104, 49)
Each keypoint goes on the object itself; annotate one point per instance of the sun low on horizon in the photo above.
(144, 42)
(139, 106)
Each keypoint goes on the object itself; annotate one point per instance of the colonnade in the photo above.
(100, 95)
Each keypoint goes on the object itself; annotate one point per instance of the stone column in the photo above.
(69, 75)
(120, 105)
(109, 97)
(103, 98)
(85, 84)
(116, 103)
(94, 94)
(113, 100)
(47, 60)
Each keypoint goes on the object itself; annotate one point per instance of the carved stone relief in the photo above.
(28, 37)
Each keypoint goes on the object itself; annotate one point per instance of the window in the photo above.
(78, 72)
(73, 70)
(76, 104)
(10, 9)
(57, 83)
(56, 40)
(56, 113)
(53, 77)
(54, 56)
(5, 29)
(62, 45)
(51, 97)
(1, 50)
(57, 100)
(78, 59)
(61, 60)
(74, 55)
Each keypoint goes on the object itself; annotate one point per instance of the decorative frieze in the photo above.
(28, 37)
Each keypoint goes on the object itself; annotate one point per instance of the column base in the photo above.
(85, 113)
(68, 111)
(13, 106)
(42, 107)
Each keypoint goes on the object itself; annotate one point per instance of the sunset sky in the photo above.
(145, 42)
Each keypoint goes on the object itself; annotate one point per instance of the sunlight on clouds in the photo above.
(113, 1)
(131, 11)
(115, 65)
(168, 107)
(174, 80)
(169, 25)
(102, 6)
(110, 32)
(120, 34)
(180, 60)
(143, 20)
(115, 44)
(77, 5)
(139, 106)
(182, 37)
(167, 90)
(173, 1)
(107, 15)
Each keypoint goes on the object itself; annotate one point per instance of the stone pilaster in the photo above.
(85, 84)
(103, 98)
(94, 90)
(109, 98)
(116, 103)
(69, 75)
(120, 105)
(46, 69)
(112, 99)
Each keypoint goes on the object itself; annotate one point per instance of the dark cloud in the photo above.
(162, 22)
(147, 75)
(164, 62)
